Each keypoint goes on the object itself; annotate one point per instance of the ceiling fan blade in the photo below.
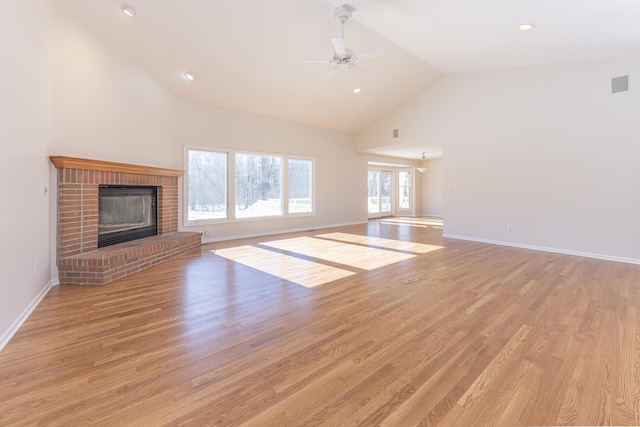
(316, 61)
(338, 46)
(331, 73)
(368, 54)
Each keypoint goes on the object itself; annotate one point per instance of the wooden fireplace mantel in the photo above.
(63, 162)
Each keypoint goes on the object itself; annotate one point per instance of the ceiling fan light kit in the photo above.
(343, 58)
(423, 168)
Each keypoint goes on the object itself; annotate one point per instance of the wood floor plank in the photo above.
(385, 323)
(498, 364)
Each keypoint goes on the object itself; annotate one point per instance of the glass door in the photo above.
(380, 193)
(386, 204)
(373, 194)
(404, 190)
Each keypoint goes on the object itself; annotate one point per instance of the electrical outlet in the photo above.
(509, 227)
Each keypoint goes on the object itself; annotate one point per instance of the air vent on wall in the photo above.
(619, 84)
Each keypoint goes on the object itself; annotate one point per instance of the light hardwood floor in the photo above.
(380, 324)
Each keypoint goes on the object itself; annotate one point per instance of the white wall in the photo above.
(104, 106)
(24, 165)
(340, 173)
(547, 149)
(432, 185)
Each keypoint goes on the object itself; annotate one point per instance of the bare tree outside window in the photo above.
(207, 185)
(258, 185)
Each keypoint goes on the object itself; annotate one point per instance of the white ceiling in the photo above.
(246, 54)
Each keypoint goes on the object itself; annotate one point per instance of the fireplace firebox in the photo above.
(126, 213)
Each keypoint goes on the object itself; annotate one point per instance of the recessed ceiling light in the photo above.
(189, 76)
(129, 11)
(356, 90)
(526, 27)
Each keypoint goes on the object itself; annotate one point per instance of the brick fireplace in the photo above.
(79, 260)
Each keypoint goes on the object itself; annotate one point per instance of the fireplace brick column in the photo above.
(77, 226)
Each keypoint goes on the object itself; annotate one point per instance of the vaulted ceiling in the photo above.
(247, 54)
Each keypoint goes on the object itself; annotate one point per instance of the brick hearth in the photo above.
(78, 258)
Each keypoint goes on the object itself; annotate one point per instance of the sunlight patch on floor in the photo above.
(379, 242)
(414, 222)
(302, 272)
(357, 256)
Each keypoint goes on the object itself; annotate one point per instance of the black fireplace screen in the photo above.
(126, 213)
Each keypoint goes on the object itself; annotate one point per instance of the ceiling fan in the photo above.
(343, 58)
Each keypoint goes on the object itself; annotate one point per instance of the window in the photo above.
(373, 194)
(207, 192)
(300, 186)
(258, 189)
(404, 190)
(228, 185)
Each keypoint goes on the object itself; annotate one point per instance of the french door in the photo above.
(380, 196)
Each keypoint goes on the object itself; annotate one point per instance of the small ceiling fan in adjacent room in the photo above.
(343, 58)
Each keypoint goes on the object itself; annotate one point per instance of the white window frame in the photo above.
(231, 186)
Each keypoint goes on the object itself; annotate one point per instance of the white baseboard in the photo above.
(546, 249)
(9, 333)
(271, 233)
